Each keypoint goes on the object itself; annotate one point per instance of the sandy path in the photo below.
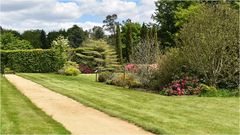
(75, 117)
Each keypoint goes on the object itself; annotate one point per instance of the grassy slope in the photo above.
(20, 116)
(156, 113)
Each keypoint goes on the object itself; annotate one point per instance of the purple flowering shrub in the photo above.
(85, 69)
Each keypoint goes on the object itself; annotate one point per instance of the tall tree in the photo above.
(155, 35)
(165, 17)
(129, 43)
(8, 41)
(14, 32)
(43, 39)
(144, 33)
(34, 37)
(135, 30)
(97, 32)
(119, 44)
(170, 16)
(76, 36)
(110, 23)
(98, 54)
(213, 49)
(51, 36)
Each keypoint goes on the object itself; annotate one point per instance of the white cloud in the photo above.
(49, 26)
(52, 14)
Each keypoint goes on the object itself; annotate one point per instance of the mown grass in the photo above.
(20, 116)
(153, 112)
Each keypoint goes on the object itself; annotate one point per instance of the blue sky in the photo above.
(56, 14)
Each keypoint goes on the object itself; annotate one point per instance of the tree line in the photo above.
(169, 16)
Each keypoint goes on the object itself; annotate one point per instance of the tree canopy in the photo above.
(97, 32)
(210, 43)
(8, 41)
(76, 36)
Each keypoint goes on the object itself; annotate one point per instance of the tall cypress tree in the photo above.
(129, 42)
(43, 39)
(144, 33)
(118, 44)
(155, 36)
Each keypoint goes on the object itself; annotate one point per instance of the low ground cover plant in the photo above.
(8, 71)
(120, 79)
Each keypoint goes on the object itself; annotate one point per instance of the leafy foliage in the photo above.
(124, 80)
(14, 32)
(37, 60)
(144, 33)
(166, 18)
(43, 38)
(34, 37)
(104, 76)
(130, 37)
(170, 67)
(53, 35)
(185, 86)
(213, 48)
(10, 42)
(70, 68)
(61, 45)
(76, 36)
(110, 23)
(97, 32)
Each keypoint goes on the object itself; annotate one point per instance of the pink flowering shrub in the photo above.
(185, 86)
(133, 68)
(85, 69)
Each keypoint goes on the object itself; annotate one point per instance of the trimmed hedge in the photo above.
(31, 61)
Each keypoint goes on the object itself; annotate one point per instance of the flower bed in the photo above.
(185, 86)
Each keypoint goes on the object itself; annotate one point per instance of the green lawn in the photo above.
(20, 116)
(153, 112)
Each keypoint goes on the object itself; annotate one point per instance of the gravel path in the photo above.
(77, 118)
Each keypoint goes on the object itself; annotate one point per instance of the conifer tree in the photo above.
(43, 39)
(129, 44)
(97, 53)
(118, 44)
(144, 33)
(155, 37)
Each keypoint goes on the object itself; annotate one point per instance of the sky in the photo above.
(53, 15)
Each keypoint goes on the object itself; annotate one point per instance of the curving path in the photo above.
(75, 117)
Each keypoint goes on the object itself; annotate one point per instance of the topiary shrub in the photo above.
(69, 68)
(31, 61)
(72, 71)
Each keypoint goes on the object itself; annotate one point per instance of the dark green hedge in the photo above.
(31, 61)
